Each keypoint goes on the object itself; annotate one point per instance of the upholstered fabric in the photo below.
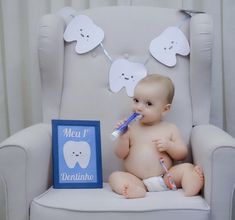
(216, 156)
(103, 203)
(201, 31)
(25, 167)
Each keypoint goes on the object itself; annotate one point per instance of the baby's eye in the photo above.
(149, 103)
(135, 100)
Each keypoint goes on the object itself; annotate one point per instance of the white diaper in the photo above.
(155, 184)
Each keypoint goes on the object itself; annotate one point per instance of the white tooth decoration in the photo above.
(170, 42)
(85, 32)
(77, 152)
(124, 73)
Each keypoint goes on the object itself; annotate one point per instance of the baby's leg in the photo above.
(189, 177)
(127, 185)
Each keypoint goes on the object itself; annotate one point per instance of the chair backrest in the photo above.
(77, 86)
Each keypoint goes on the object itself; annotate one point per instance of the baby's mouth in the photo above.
(139, 116)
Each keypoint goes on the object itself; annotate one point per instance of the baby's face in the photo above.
(150, 102)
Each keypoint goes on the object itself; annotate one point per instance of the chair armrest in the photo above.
(25, 169)
(214, 150)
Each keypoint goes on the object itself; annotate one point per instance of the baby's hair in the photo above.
(157, 78)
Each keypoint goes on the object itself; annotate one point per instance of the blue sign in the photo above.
(76, 154)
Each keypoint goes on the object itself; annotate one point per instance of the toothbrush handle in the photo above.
(123, 127)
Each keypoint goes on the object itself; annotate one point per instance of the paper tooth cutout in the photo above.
(124, 73)
(77, 152)
(85, 32)
(170, 42)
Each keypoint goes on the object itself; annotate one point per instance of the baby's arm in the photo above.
(123, 144)
(174, 146)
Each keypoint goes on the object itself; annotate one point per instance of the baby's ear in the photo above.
(167, 107)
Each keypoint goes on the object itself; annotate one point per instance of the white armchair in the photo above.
(76, 87)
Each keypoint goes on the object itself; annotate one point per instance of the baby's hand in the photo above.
(120, 123)
(162, 144)
(124, 134)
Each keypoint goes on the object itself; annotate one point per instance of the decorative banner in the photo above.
(124, 73)
(170, 42)
(85, 32)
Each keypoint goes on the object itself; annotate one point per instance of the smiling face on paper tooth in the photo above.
(170, 42)
(124, 73)
(85, 32)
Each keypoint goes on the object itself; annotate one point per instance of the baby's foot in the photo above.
(194, 182)
(131, 192)
(199, 171)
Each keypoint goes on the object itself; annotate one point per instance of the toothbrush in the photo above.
(169, 176)
(123, 127)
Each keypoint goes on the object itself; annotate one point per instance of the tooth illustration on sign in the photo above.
(77, 152)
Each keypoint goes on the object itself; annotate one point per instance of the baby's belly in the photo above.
(143, 162)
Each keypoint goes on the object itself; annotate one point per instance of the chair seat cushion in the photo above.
(105, 204)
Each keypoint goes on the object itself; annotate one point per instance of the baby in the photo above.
(150, 139)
